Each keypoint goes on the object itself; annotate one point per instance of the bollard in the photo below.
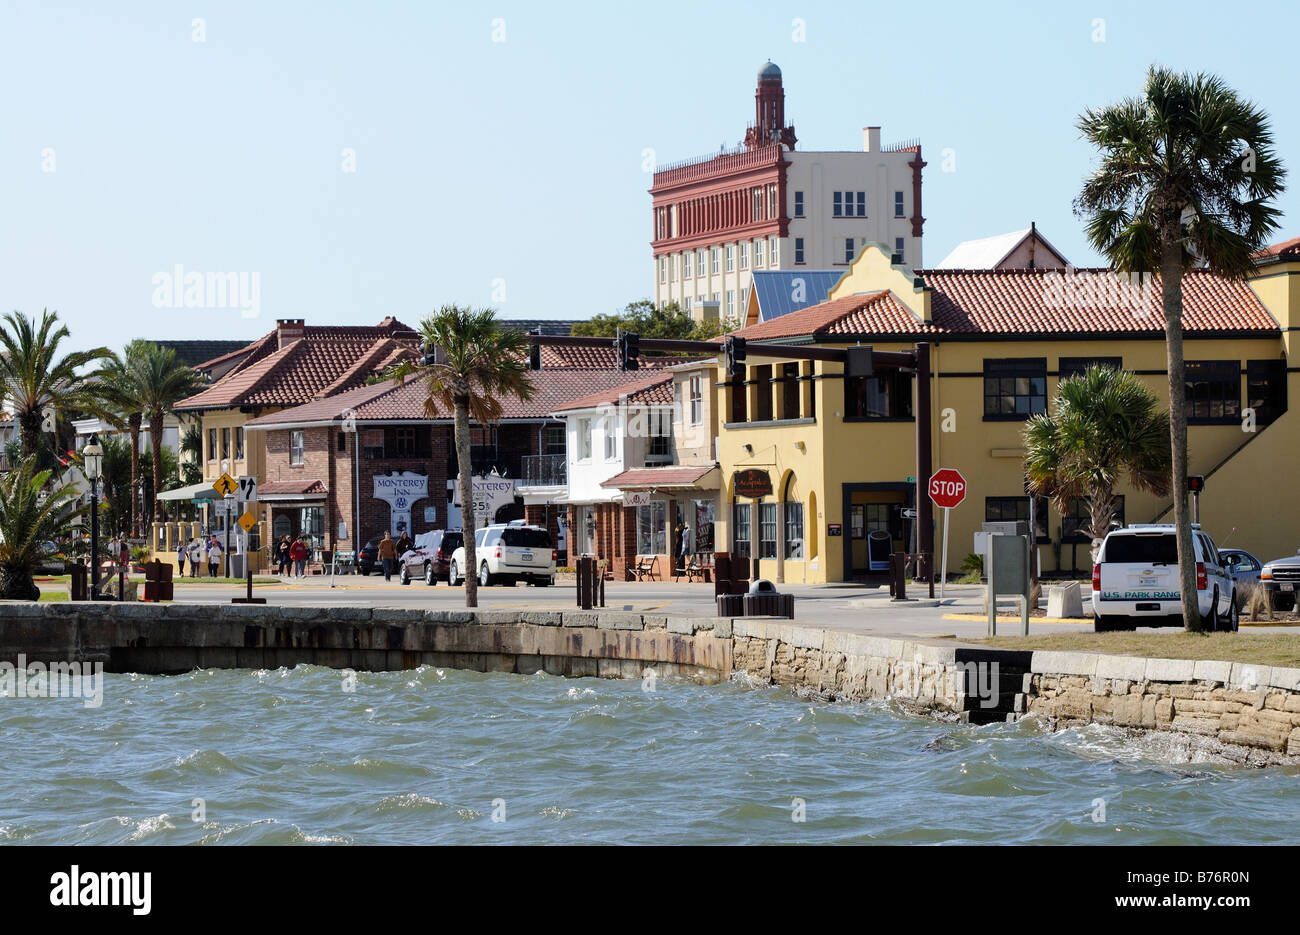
(899, 568)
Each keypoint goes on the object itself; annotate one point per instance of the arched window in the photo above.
(792, 520)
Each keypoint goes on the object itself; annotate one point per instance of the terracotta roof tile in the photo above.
(1022, 301)
(1287, 247)
(643, 388)
(281, 487)
(677, 475)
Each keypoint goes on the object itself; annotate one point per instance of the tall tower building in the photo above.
(765, 206)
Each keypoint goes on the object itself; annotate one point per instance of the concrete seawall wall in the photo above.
(1246, 713)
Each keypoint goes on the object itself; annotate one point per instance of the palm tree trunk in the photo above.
(133, 423)
(1171, 283)
(1101, 510)
(155, 444)
(465, 475)
(29, 429)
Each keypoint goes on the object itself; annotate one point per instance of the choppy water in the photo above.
(286, 757)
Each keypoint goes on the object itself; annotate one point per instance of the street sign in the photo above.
(225, 485)
(947, 488)
(247, 489)
(248, 521)
(636, 498)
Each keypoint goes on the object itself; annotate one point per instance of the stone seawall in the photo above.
(1246, 713)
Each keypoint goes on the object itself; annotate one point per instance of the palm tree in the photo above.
(162, 382)
(475, 364)
(33, 377)
(120, 403)
(1187, 175)
(31, 520)
(1104, 424)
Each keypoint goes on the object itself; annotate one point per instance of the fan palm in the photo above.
(33, 377)
(32, 519)
(475, 364)
(1187, 177)
(162, 381)
(120, 403)
(1104, 424)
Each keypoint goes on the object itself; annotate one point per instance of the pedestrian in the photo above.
(298, 555)
(214, 557)
(180, 558)
(403, 544)
(388, 555)
(124, 555)
(196, 556)
(282, 555)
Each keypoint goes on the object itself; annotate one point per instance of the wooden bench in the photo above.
(647, 567)
(693, 569)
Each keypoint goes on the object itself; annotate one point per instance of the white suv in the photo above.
(508, 552)
(1135, 581)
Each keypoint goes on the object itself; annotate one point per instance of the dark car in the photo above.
(1244, 569)
(1280, 578)
(369, 557)
(430, 555)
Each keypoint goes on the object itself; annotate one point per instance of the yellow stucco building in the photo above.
(841, 452)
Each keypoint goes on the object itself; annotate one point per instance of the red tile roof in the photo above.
(1287, 247)
(1022, 301)
(677, 475)
(645, 388)
(325, 361)
(281, 487)
(594, 358)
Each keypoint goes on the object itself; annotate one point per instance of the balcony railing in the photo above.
(544, 471)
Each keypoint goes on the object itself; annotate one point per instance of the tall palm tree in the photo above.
(1186, 177)
(162, 381)
(31, 517)
(476, 363)
(120, 403)
(33, 377)
(1104, 424)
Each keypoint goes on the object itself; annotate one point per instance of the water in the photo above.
(288, 757)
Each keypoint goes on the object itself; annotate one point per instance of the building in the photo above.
(840, 453)
(767, 206)
(1022, 249)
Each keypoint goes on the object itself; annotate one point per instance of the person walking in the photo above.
(215, 552)
(124, 555)
(180, 558)
(388, 555)
(282, 556)
(196, 556)
(298, 555)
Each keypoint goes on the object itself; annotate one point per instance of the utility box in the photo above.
(1007, 569)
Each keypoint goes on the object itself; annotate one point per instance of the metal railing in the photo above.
(544, 471)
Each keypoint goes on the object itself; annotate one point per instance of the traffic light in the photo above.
(629, 351)
(430, 356)
(1195, 483)
(734, 349)
(535, 351)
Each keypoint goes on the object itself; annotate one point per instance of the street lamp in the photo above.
(93, 458)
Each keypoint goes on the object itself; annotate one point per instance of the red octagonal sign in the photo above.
(947, 487)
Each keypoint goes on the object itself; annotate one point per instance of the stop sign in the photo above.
(947, 487)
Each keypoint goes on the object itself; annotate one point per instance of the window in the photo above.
(767, 530)
(731, 304)
(744, 298)
(775, 252)
(790, 391)
(758, 251)
(898, 248)
(696, 392)
(225, 444)
(798, 206)
(554, 443)
(848, 249)
(609, 425)
(1016, 509)
(701, 268)
(740, 530)
(343, 441)
(688, 264)
(295, 445)
(1266, 389)
(744, 254)
(773, 200)
(584, 439)
(672, 267)
(862, 204)
(687, 304)
(898, 204)
(239, 443)
(1074, 366)
(756, 203)
(1213, 391)
(738, 400)
(212, 444)
(1075, 522)
(404, 443)
(849, 204)
(651, 528)
(661, 223)
(883, 395)
(837, 205)
(1014, 388)
(798, 250)
(663, 269)
(731, 257)
(793, 529)
(659, 445)
(763, 408)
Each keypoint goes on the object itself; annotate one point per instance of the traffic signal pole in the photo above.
(924, 468)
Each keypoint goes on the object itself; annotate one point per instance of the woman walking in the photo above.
(282, 556)
(298, 554)
(196, 556)
(180, 558)
(214, 557)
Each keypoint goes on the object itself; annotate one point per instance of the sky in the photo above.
(346, 161)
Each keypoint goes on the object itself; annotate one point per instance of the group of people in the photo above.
(291, 557)
(200, 552)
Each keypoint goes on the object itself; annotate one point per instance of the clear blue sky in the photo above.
(522, 160)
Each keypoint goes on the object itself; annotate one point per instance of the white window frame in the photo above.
(758, 252)
(744, 254)
(296, 446)
(848, 250)
(583, 430)
(899, 205)
(731, 258)
(798, 251)
(688, 264)
(695, 390)
(663, 269)
(716, 256)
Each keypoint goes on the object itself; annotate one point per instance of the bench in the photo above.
(342, 561)
(647, 567)
(693, 569)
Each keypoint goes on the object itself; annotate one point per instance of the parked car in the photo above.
(368, 557)
(1135, 581)
(430, 556)
(1244, 569)
(1280, 579)
(508, 553)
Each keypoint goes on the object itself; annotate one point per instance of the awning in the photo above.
(293, 491)
(690, 476)
(203, 491)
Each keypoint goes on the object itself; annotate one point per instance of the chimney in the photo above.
(288, 330)
(871, 139)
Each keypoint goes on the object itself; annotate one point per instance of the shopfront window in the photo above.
(702, 533)
(740, 523)
(652, 528)
(767, 530)
(794, 530)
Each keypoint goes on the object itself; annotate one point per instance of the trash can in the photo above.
(763, 600)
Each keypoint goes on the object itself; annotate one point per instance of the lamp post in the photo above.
(93, 458)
